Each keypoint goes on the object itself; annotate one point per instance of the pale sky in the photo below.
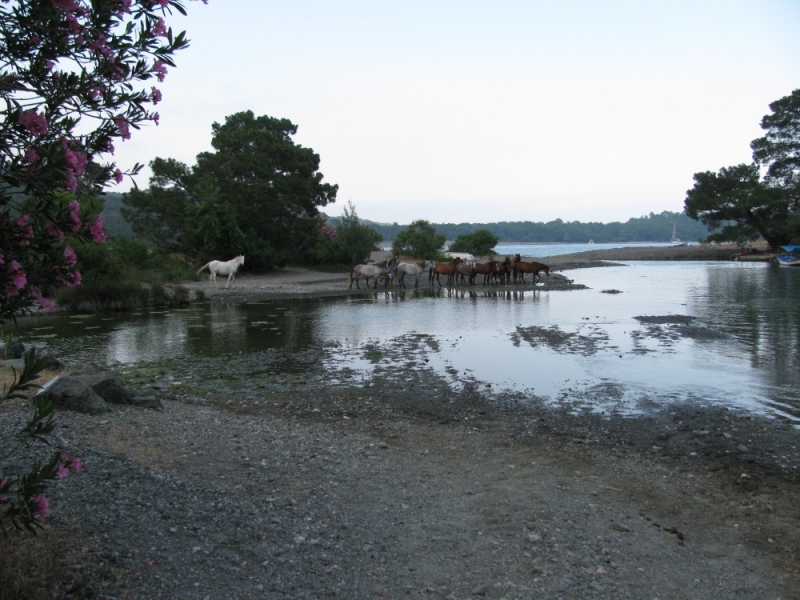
(584, 110)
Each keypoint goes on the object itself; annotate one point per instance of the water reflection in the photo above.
(582, 346)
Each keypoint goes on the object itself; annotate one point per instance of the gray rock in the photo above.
(72, 393)
(51, 363)
(108, 386)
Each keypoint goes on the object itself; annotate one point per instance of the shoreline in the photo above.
(254, 482)
(300, 282)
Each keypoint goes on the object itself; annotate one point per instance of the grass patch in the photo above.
(39, 567)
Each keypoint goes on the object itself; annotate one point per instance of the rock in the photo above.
(72, 393)
(51, 363)
(16, 349)
(108, 386)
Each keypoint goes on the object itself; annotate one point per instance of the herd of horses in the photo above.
(395, 272)
(455, 271)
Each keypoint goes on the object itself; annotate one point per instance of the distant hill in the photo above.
(649, 228)
(114, 223)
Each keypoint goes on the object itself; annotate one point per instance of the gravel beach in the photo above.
(252, 486)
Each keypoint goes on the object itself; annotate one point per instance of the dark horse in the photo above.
(522, 267)
(485, 269)
(448, 269)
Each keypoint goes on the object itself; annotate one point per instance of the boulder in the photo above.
(72, 393)
(92, 390)
(108, 386)
(51, 363)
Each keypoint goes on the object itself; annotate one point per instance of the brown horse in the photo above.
(448, 269)
(485, 269)
(502, 271)
(521, 267)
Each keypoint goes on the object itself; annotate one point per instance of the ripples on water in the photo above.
(582, 347)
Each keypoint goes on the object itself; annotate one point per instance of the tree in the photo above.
(419, 240)
(779, 149)
(273, 185)
(161, 212)
(354, 239)
(480, 242)
(737, 205)
(72, 81)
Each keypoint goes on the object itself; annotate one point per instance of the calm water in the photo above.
(539, 250)
(583, 347)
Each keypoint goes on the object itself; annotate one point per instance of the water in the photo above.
(540, 250)
(584, 348)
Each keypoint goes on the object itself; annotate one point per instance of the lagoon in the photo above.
(728, 335)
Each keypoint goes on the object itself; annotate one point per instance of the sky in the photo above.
(477, 112)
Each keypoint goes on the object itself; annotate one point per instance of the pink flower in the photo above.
(163, 3)
(160, 29)
(160, 68)
(55, 232)
(33, 122)
(71, 182)
(70, 279)
(156, 95)
(98, 233)
(122, 125)
(156, 117)
(70, 258)
(17, 279)
(25, 226)
(31, 156)
(76, 161)
(118, 176)
(62, 472)
(73, 464)
(64, 4)
(41, 507)
(75, 215)
(43, 302)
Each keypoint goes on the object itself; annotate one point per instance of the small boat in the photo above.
(675, 238)
(791, 258)
(591, 241)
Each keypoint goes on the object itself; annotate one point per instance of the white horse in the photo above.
(369, 270)
(223, 268)
(415, 269)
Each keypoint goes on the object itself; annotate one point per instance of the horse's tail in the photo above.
(205, 266)
(350, 278)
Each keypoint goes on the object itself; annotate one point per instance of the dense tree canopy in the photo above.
(419, 240)
(257, 181)
(737, 204)
(481, 242)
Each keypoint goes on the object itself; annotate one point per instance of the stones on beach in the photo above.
(92, 391)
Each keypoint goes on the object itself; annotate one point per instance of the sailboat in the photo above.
(675, 239)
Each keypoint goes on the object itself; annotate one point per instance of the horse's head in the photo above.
(457, 260)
